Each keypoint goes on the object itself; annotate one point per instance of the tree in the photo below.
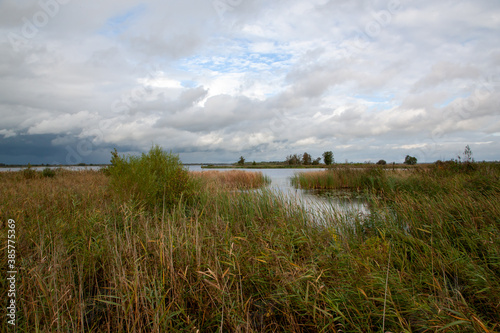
(316, 161)
(306, 159)
(293, 159)
(328, 157)
(410, 160)
(241, 161)
(468, 155)
(382, 162)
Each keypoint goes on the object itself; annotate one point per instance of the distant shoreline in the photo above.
(319, 166)
(261, 165)
(51, 165)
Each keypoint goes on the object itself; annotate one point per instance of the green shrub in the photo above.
(30, 173)
(48, 172)
(105, 170)
(155, 179)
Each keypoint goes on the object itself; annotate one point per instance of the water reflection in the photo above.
(330, 206)
(339, 200)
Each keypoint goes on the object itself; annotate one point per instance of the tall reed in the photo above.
(234, 179)
(340, 177)
(426, 259)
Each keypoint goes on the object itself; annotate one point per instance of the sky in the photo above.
(213, 80)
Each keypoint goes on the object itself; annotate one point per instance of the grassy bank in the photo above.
(433, 178)
(90, 259)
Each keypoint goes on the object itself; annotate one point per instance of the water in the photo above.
(320, 205)
(41, 168)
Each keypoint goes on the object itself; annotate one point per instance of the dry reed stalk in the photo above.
(234, 179)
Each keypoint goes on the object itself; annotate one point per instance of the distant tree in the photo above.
(293, 159)
(410, 160)
(468, 155)
(306, 159)
(254, 163)
(316, 161)
(382, 162)
(328, 157)
(241, 161)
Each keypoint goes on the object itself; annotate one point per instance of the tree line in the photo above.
(307, 159)
(327, 157)
(302, 159)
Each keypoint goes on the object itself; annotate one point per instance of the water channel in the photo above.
(320, 204)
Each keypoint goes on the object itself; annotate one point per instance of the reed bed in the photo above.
(342, 177)
(89, 260)
(233, 179)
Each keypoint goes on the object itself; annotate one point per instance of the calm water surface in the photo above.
(320, 204)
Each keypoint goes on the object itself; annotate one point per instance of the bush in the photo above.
(30, 173)
(410, 160)
(155, 179)
(48, 172)
(453, 166)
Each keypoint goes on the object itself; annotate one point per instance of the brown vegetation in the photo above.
(233, 179)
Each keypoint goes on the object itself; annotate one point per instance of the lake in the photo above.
(320, 204)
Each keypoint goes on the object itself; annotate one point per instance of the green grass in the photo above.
(431, 179)
(426, 259)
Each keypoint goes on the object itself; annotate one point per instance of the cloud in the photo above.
(213, 80)
(65, 123)
(445, 72)
(7, 133)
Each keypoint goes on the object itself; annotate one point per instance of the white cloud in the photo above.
(263, 78)
(307, 142)
(65, 123)
(211, 139)
(7, 133)
(160, 82)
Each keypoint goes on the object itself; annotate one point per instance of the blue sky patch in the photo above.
(120, 23)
